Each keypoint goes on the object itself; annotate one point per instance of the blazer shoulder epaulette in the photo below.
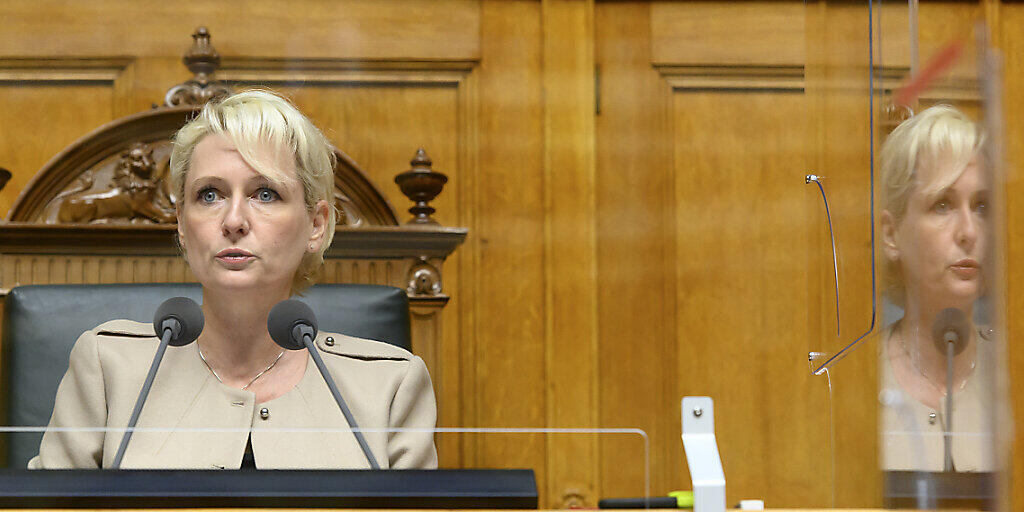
(125, 329)
(359, 348)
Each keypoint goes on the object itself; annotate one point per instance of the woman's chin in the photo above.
(245, 283)
(965, 293)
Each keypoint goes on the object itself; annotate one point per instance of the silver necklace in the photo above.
(245, 387)
(920, 371)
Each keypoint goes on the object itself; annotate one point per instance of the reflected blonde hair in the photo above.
(941, 138)
(266, 129)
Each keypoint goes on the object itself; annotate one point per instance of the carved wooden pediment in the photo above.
(108, 195)
(118, 173)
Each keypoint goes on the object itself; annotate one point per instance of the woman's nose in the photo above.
(236, 218)
(967, 227)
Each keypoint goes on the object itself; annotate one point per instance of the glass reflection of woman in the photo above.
(934, 232)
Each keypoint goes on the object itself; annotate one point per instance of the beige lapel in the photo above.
(206, 422)
(316, 439)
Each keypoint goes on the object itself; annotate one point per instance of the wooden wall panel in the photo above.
(63, 111)
(1011, 42)
(381, 127)
(838, 89)
(743, 228)
(635, 226)
(363, 29)
(570, 243)
(506, 360)
(727, 33)
(632, 177)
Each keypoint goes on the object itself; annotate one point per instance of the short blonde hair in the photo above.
(939, 137)
(255, 121)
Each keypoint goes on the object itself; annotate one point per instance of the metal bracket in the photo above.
(701, 447)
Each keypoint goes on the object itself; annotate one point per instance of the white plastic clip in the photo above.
(702, 457)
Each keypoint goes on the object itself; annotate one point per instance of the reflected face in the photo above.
(940, 244)
(239, 229)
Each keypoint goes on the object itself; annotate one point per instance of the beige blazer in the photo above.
(912, 433)
(384, 387)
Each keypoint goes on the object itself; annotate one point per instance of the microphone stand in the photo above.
(304, 332)
(165, 339)
(947, 435)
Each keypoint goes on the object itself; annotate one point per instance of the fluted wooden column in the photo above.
(571, 245)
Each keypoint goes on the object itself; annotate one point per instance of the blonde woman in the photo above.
(254, 178)
(935, 242)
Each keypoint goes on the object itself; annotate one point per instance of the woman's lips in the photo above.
(234, 258)
(966, 269)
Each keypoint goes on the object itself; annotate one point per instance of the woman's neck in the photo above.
(235, 340)
(915, 333)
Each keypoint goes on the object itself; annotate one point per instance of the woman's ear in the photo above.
(181, 234)
(316, 236)
(890, 238)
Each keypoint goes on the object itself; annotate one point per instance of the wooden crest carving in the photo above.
(129, 187)
(118, 173)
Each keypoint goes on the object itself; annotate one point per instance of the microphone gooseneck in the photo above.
(292, 325)
(950, 333)
(178, 322)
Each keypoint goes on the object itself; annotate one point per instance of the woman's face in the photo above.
(940, 244)
(240, 230)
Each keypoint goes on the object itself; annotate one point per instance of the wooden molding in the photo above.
(158, 240)
(248, 71)
(792, 79)
(736, 78)
(953, 88)
(103, 70)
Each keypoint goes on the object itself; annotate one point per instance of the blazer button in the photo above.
(329, 341)
(264, 413)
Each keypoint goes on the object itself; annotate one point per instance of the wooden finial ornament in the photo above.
(202, 60)
(421, 184)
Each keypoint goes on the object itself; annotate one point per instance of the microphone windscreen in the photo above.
(284, 317)
(188, 314)
(951, 321)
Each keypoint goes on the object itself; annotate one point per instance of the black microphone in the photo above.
(178, 322)
(292, 325)
(950, 335)
(951, 326)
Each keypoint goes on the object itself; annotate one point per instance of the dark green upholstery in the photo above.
(41, 323)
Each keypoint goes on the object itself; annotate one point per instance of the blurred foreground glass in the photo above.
(915, 221)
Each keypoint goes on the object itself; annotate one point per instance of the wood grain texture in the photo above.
(505, 360)
(743, 231)
(730, 33)
(365, 29)
(666, 246)
(635, 257)
(838, 91)
(1011, 17)
(570, 245)
(64, 112)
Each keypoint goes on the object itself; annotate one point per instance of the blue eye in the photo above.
(208, 195)
(941, 206)
(266, 195)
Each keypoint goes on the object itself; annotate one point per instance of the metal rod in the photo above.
(165, 340)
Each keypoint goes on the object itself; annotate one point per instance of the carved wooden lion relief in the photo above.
(130, 187)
